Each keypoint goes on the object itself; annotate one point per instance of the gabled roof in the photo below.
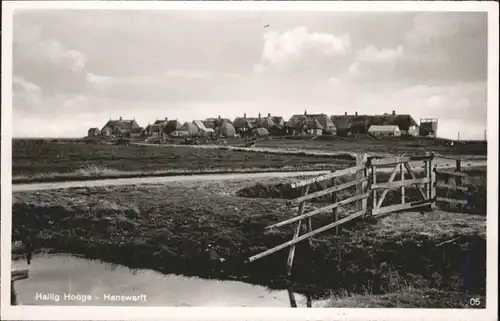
(264, 122)
(200, 125)
(121, 124)
(313, 124)
(241, 122)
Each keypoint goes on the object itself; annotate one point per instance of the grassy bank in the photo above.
(37, 160)
(96, 173)
(184, 228)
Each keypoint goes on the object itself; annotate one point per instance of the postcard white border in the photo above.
(142, 313)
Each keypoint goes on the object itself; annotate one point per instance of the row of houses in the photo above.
(300, 124)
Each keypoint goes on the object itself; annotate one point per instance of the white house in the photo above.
(384, 130)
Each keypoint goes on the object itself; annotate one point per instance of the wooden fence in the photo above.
(453, 183)
(368, 173)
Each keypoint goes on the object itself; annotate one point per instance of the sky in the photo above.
(73, 70)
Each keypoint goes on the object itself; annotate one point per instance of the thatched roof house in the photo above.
(227, 130)
(152, 130)
(119, 126)
(191, 128)
(202, 129)
(361, 123)
(244, 123)
(216, 122)
(264, 122)
(172, 126)
(278, 121)
(299, 122)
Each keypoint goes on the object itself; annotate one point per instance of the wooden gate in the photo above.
(360, 198)
(401, 166)
(369, 172)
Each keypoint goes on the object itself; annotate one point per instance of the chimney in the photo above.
(305, 112)
(259, 115)
(393, 113)
(268, 114)
(356, 113)
(245, 115)
(345, 113)
(219, 116)
(120, 117)
(166, 118)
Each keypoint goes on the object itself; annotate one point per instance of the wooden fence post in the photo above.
(374, 191)
(401, 168)
(432, 182)
(291, 253)
(360, 160)
(458, 179)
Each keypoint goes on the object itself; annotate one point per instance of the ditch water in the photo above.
(78, 281)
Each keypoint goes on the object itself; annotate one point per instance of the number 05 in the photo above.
(475, 301)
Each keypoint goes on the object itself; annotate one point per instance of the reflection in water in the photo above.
(71, 280)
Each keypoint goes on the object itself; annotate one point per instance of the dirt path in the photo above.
(157, 180)
(440, 163)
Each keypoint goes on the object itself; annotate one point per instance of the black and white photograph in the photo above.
(176, 156)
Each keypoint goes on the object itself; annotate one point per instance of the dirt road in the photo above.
(440, 163)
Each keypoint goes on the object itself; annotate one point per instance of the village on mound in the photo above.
(298, 125)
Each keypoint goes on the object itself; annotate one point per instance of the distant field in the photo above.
(396, 145)
(39, 157)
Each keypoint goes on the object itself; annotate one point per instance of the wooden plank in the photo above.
(384, 193)
(397, 160)
(400, 207)
(432, 187)
(401, 169)
(427, 187)
(319, 210)
(458, 169)
(450, 200)
(399, 184)
(291, 253)
(412, 175)
(305, 236)
(326, 191)
(360, 160)
(335, 211)
(452, 187)
(347, 171)
(364, 189)
(443, 173)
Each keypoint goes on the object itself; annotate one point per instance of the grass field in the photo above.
(52, 160)
(46, 160)
(365, 144)
(170, 228)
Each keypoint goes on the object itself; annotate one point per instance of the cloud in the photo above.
(26, 93)
(385, 55)
(372, 63)
(46, 61)
(31, 45)
(300, 47)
